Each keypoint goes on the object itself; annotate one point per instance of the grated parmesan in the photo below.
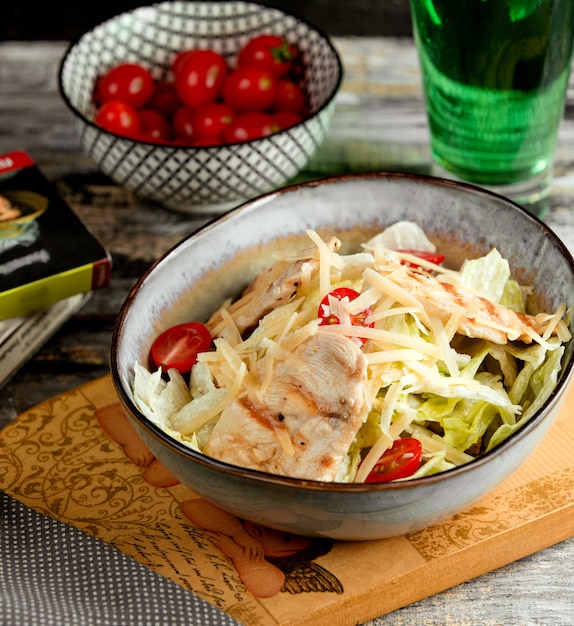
(413, 353)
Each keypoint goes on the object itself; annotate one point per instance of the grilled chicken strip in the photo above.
(277, 285)
(306, 419)
(480, 318)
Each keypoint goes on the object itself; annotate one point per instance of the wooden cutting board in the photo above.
(75, 458)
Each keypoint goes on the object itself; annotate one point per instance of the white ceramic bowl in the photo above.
(198, 179)
(194, 278)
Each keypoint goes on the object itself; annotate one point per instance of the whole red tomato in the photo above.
(179, 59)
(154, 126)
(249, 88)
(183, 124)
(200, 77)
(127, 82)
(165, 98)
(207, 141)
(289, 97)
(212, 118)
(270, 51)
(286, 119)
(248, 126)
(120, 118)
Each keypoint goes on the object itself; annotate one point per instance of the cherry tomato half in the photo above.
(249, 88)
(120, 118)
(431, 257)
(178, 346)
(401, 460)
(270, 51)
(200, 77)
(329, 312)
(127, 82)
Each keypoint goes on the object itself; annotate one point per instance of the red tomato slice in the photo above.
(178, 346)
(431, 257)
(401, 460)
(329, 316)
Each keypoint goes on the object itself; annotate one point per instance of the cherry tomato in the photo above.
(206, 141)
(212, 118)
(120, 118)
(179, 60)
(178, 346)
(401, 460)
(431, 257)
(248, 126)
(328, 311)
(289, 97)
(183, 124)
(154, 125)
(249, 88)
(127, 82)
(200, 77)
(270, 51)
(178, 141)
(165, 98)
(286, 119)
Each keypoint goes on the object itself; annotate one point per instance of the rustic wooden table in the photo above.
(379, 124)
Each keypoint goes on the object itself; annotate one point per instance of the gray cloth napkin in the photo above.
(53, 574)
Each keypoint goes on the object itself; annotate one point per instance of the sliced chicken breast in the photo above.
(303, 423)
(274, 286)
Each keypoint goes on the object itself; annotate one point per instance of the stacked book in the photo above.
(49, 261)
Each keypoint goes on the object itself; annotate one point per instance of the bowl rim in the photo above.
(180, 448)
(183, 146)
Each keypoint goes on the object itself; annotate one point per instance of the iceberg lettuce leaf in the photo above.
(488, 274)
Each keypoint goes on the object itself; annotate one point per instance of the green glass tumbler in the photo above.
(495, 75)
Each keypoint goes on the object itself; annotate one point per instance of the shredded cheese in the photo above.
(409, 351)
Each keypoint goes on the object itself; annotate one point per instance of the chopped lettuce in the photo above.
(513, 296)
(507, 383)
(402, 235)
(459, 396)
(537, 384)
(487, 275)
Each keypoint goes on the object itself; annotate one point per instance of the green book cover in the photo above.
(46, 252)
